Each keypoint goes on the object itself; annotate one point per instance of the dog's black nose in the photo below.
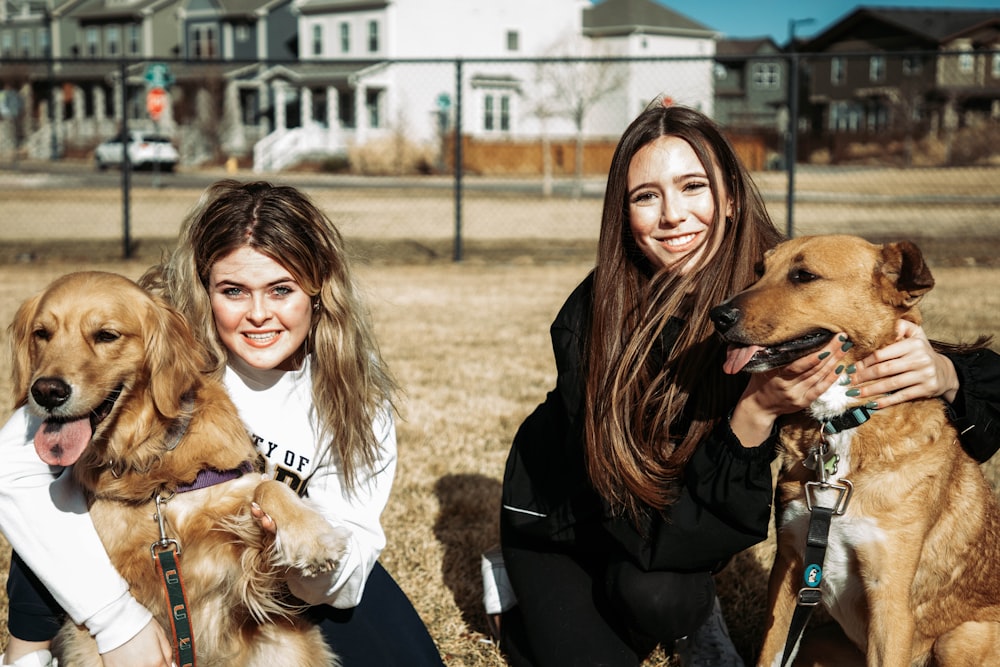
(50, 392)
(724, 317)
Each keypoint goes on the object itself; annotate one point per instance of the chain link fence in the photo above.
(874, 144)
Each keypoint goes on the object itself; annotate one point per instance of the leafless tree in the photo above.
(575, 76)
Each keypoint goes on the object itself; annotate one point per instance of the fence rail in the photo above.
(867, 143)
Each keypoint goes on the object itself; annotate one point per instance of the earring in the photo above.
(315, 305)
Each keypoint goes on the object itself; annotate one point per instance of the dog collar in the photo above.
(851, 419)
(211, 476)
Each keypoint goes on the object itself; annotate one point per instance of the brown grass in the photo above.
(469, 344)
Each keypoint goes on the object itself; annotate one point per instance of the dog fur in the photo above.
(95, 344)
(909, 573)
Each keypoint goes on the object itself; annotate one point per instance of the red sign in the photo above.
(156, 101)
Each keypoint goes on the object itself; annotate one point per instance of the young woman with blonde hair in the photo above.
(262, 275)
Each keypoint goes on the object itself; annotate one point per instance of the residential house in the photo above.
(259, 73)
(751, 85)
(379, 68)
(25, 38)
(644, 29)
(919, 70)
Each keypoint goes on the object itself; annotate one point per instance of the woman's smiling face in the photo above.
(261, 313)
(671, 206)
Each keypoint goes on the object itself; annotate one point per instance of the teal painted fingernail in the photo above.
(853, 392)
(852, 369)
(846, 346)
(871, 405)
(844, 381)
(824, 355)
(842, 338)
(840, 369)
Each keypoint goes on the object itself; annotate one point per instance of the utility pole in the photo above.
(792, 133)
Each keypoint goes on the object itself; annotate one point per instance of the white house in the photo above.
(370, 69)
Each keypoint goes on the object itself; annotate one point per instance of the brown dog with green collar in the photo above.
(903, 528)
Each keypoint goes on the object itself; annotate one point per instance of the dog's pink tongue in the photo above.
(739, 356)
(62, 443)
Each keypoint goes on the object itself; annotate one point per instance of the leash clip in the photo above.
(844, 490)
(822, 461)
(164, 543)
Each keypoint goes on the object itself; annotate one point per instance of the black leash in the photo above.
(824, 463)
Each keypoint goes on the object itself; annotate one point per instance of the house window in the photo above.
(912, 65)
(372, 105)
(720, 71)
(132, 37)
(373, 36)
(112, 40)
(513, 41)
(93, 39)
(995, 69)
(242, 33)
(965, 61)
(43, 42)
(876, 68)
(345, 37)
(496, 112)
(845, 117)
(7, 44)
(317, 41)
(203, 42)
(838, 71)
(766, 76)
(26, 42)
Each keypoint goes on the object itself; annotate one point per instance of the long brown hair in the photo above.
(647, 408)
(351, 385)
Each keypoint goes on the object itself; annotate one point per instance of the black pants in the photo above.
(575, 609)
(384, 630)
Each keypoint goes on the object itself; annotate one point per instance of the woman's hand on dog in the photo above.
(148, 648)
(784, 390)
(906, 369)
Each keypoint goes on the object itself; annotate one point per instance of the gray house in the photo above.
(751, 84)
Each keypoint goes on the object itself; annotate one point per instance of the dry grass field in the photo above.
(469, 344)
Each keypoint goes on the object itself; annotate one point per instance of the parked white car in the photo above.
(145, 150)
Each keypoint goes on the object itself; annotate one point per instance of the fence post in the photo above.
(791, 143)
(457, 254)
(126, 169)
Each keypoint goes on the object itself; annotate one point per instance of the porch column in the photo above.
(280, 121)
(360, 113)
(332, 108)
(305, 106)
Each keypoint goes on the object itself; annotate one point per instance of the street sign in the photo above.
(156, 102)
(158, 75)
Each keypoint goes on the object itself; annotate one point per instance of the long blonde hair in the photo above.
(637, 394)
(350, 382)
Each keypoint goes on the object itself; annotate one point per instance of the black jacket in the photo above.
(724, 505)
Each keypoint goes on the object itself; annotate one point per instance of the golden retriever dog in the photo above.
(114, 378)
(913, 542)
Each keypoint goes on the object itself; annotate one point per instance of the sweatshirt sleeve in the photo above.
(976, 410)
(359, 512)
(43, 514)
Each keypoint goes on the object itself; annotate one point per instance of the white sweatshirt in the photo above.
(43, 512)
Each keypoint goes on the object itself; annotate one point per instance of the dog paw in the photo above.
(318, 553)
(304, 539)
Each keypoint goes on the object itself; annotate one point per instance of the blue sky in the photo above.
(769, 18)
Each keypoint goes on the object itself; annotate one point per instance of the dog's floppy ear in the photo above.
(174, 358)
(20, 348)
(902, 275)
